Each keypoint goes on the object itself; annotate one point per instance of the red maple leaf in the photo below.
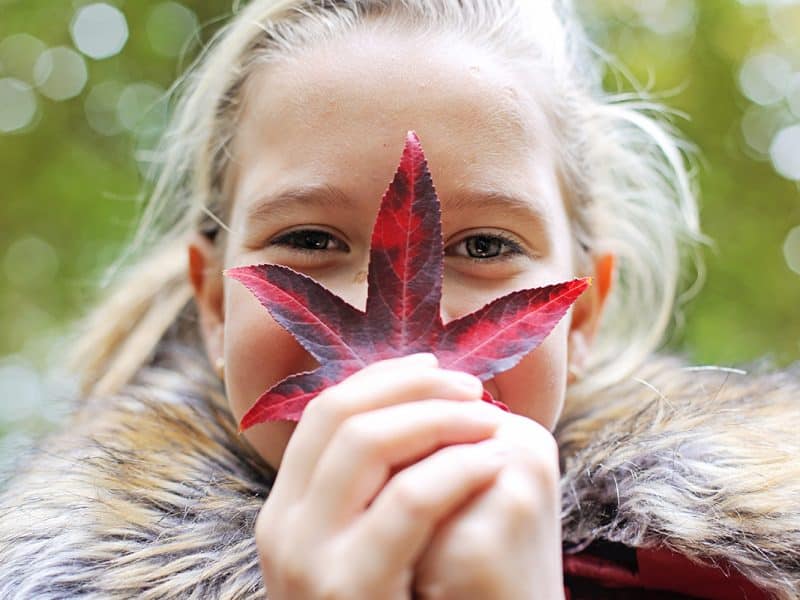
(406, 265)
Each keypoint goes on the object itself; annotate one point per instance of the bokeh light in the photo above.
(169, 26)
(666, 17)
(18, 55)
(785, 152)
(760, 124)
(770, 78)
(99, 30)
(141, 108)
(17, 105)
(101, 107)
(764, 76)
(32, 324)
(12, 445)
(793, 94)
(60, 73)
(791, 249)
(19, 380)
(39, 399)
(29, 261)
(785, 21)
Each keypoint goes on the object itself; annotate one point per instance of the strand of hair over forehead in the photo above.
(626, 171)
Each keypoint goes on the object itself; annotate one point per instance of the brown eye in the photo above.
(310, 240)
(485, 247)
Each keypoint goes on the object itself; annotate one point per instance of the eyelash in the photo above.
(513, 248)
(294, 239)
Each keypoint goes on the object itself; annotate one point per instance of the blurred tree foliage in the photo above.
(748, 307)
(71, 182)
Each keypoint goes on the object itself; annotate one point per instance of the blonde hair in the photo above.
(625, 175)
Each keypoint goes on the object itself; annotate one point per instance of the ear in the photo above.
(586, 314)
(205, 274)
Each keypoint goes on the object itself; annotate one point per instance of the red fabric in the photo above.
(665, 571)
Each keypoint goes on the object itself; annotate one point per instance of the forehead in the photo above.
(385, 75)
(341, 109)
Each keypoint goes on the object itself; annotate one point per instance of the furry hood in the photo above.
(151, 494)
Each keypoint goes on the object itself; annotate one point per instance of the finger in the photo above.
(501, 543)
(534, 448)
(381, 384)
(368, 447)
(317, 423)
(407, 511)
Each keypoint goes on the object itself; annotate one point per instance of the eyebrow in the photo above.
(272, 206)
(529, 209)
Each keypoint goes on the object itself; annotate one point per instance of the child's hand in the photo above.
(347, 516)
(506, 543)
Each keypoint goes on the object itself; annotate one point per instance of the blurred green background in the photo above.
(82, 99)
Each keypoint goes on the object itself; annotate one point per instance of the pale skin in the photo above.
(400, 476)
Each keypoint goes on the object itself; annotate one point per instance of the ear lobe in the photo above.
(205, 275)
(604, 273)
(587, 312)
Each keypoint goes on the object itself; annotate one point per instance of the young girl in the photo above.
(653, 479)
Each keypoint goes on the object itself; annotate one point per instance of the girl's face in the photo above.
(318, 143)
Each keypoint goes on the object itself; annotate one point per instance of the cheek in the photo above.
(258, 354)
(535, 388)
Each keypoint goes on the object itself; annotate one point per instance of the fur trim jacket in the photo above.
(679, 483)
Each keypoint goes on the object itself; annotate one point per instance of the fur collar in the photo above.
(150, 494)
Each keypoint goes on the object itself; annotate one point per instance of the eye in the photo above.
(485, 247)
(310, 240)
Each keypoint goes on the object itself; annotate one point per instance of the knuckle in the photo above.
(330, 406)
(264, 518)
(543, 468)
(334, 587)
(483, 578)
(521, 508)
(299, 575)
(435, 379)
(267, 556)
(360, 436)
(268, 532)
(437, 427)
(294, 573)
(539, 457)
(409, 498)
(379, 366)
(263, 531)
(520, 503)
(457, 454)
(469, 551)
(471, 542)
(424, 382)
(294, 520)
(386, 366)
(542, 472)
